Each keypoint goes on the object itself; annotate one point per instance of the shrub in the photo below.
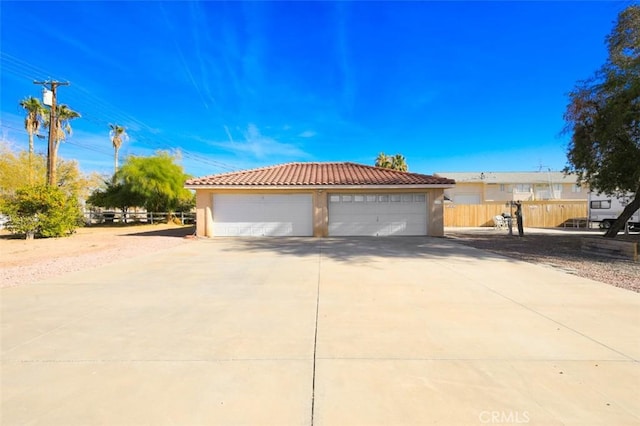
(42, 211)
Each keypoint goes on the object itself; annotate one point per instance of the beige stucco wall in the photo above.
(466, 189)
(435, 206)
(204, 206)
(204, 215)
(568, 194)
(492, 192)
(320, 214)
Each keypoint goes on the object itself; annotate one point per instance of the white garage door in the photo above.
(377, 214)
(262, 215)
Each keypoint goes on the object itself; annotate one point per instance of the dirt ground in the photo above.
(557, 248)
(23, 262)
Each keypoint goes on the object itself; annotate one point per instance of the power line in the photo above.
(186, 154)
(94, 108)
(18, 66)
(80, 145)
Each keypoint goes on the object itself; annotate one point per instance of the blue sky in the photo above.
(453, 86)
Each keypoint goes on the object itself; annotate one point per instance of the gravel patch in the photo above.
(27, 262)
(555, 248)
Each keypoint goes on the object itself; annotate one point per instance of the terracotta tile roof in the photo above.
(318, 174)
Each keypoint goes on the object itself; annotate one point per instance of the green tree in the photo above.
(62, 129)
(32, 122)
(157, 180)
(118, 134)
(603, 117)
(393, 162)
(14, 172)
(116, 195)
(41, 211)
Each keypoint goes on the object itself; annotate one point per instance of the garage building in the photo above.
(319, 199)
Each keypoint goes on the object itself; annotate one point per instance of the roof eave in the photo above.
(322, 187)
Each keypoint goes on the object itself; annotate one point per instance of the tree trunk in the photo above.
(115, 161)
(30, 158)
(622, 220)
(30, 143)
(53, 178)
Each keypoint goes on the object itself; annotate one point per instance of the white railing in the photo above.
(522, 195)
(94, 218)
(546, 194)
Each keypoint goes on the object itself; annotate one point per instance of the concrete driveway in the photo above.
(395, 331)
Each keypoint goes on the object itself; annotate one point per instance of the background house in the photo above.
(490, 187)
(550, 199)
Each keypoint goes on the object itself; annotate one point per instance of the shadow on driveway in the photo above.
(358, 248)
(180, 232)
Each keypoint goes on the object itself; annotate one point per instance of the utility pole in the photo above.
(51, 158)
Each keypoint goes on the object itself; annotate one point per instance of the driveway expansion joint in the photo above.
(548, 318)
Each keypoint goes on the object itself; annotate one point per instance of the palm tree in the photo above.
(62, 129)
(399, 163)
(395, 162)
(35, 117)
(118, 134)
(383, 160)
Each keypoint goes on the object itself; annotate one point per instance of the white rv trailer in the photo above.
(604, 209)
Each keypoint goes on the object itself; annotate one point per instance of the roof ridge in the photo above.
(520, 171)
(319, 173)
(385, 169)
(255, 169)
(292, 163)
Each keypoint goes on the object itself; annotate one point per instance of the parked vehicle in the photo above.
(604, 209)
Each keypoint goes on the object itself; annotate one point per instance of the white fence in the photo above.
(94, 218)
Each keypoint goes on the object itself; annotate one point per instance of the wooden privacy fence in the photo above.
(536, 214)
